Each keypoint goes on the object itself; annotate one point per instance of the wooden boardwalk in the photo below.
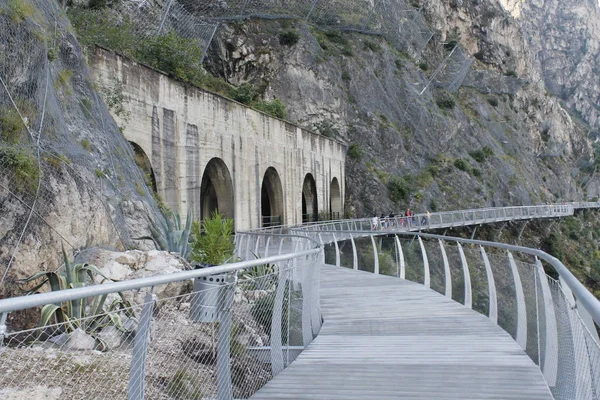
(385, 338)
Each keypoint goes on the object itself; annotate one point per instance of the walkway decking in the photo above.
(385, 338)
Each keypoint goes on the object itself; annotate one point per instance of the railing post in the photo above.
(354, 254)
(375, 257)
(467, 277)
(426, 276)
(137, 372)
(226, 292)
(521, 337)
(277, 364)
(2, 328)
(550, 367)
(447, 274)
(400, 259)
(337, 251)
(493, 299)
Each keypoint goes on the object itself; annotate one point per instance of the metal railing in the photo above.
(167, 340)
(447, 219)
(527, 292)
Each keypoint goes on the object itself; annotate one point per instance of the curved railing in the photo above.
(529, 293)
(449, 219)
(169, 340)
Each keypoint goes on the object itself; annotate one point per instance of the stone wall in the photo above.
(182, 128)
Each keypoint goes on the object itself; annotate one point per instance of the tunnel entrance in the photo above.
(335, 200)
(271, 199)
(143, 162)
(216, 190)
(310, 209)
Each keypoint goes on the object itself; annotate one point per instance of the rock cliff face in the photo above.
(67, 175)
(564, 37)
(502, 139)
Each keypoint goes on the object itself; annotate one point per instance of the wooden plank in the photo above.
(387, 338)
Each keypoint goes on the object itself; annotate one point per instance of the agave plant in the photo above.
(169, 235)
(91, 314)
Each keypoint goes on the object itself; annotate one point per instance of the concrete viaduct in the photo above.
(205, 152)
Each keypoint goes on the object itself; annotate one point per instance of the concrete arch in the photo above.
(142, 161)
(335, 199)
(271, 199)
(216, 190)
(310, 205)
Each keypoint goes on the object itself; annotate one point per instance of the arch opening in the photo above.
(143, 162)
(271, 199)
(216, 190)
(310, 206)
(335, 200)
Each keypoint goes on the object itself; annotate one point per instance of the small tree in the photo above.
(213, 241)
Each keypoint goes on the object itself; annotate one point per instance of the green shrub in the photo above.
(487, 151)
(20, 10)
(445, 100)
(399, 188)
(86, 144)
(326, 128)
(244, 93)
(274, 108)
(355, 151)
(288, 38)
(462, 164)
(482, 155)
(212, 241)
(346, 76)
(336, 36)
(423, 66)
(173, 54)
(511, 72)
(12, 128)
(100, 27)
(493, 101)
(369, 45)
(476, 172)
(184, 385)
(24, 164)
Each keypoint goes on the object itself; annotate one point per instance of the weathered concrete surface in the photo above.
(182, 128)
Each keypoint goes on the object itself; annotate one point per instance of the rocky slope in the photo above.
(502, 139)
(564, 38)
(67, 175)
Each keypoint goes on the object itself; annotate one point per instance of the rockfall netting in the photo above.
(67, 174)
(121, 26)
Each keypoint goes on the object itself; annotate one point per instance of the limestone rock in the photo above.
(111, 337)
(33, 393)
(79, 340)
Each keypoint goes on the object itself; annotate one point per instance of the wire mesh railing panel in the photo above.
(506, 293)
(456, 272)
(436, 266)
(534, 307)
(479, 281)
(413, 258)
(565, 387)
(66, 355)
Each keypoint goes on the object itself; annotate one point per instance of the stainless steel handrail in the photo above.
(23, 302)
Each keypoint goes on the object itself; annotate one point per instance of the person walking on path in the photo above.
(374, 222)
